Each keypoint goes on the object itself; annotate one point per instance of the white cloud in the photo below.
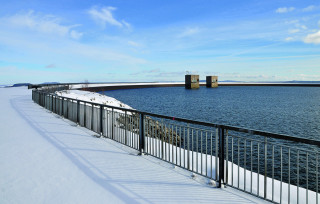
(294, 30)
(126, 24)
(313, 38)
(42, 23)
(308, 77)
(189, 32)
(303, 27)
(289, 39)
(75, 35)
(104, 16)
(309, 8)
(284, 9)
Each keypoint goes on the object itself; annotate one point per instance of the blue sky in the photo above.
(149, 40)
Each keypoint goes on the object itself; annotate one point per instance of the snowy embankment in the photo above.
(46, 159)
(92, 97)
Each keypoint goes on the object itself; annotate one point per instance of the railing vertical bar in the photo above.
(165, 143)
(108, 124)
(157, 147)
(162, 140)
(216, 151)
(258, 174)
(101, 120)
(251, 169)
(176, 145)
(307, 191)
(272, 173)
(180, 145)
(317, 182)
(265, 166)
(147, 136)
(227, 157)
(78, 114)
(197, 151)
(245, 165)
(84, 114)
(238, 143)
(112, 124)
(125, 127)
(141, 133)
(289, 175)
(298, 176)
(67, 111)
(155, 140)
(201, 153)
(192, 148)
(221, 157)
(188, 145)
(133, 135)
(206, 154)
(280, 174)
(159, 141)
(172, 152)
(62, 110)
(232, 161)
(152, 140)
(211, 137)
(92, 117)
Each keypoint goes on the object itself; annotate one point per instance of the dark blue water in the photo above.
(288, 110)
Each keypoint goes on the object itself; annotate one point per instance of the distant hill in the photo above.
(20, 84)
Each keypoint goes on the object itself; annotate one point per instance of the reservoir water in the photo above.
(293, 111)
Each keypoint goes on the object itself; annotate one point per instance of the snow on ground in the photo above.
(46, 159)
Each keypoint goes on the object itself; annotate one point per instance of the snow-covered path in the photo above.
(46, 159)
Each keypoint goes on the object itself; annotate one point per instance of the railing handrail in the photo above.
(227, 127)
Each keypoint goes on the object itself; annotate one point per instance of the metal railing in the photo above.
(277, 168)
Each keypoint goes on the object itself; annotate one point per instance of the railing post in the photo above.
(125, 128)
(78, 112)
(141, 134)
(112, 124)
(62, 110)
(265, 167)
(51, 103)
(221, 156)
(92, 122)
(85, 114)
(67, 115)
(101, 120)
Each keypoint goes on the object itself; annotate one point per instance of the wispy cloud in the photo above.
(47, 24)
(294, 30)
(152, 71)
(285, 9)
(50, 66)
(134, 44)
(289, 39)
(104, 16)
(309, 8)
(313, 38)
(189, 32)
(166, 75)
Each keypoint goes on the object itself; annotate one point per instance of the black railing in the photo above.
(275, 167)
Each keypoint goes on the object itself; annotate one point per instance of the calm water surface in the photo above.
(288, 110)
